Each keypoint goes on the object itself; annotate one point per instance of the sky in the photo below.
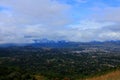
(23, 21)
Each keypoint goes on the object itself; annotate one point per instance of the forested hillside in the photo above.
(73, 63)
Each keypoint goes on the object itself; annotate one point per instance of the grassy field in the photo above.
(110, 76)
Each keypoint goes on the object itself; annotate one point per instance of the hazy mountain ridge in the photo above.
(61, 43)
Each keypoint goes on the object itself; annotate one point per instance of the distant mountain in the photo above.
(61, 43)
(12, 44)
(51, 43)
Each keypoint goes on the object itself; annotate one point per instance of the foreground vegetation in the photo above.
(115, 75)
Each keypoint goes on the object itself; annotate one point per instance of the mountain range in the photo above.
(61, 43)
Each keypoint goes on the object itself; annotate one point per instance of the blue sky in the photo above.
(71, 20)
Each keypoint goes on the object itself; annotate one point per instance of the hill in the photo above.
(110, 76)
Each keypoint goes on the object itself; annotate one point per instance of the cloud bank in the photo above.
(22, 21)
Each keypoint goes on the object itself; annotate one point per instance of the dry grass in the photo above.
(39, 77)
(110, 76)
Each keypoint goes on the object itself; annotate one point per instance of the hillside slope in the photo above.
(110, 76)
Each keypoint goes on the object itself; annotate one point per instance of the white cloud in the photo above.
(47, 12)
(22, 21)
(24, 17)
(108, 14)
